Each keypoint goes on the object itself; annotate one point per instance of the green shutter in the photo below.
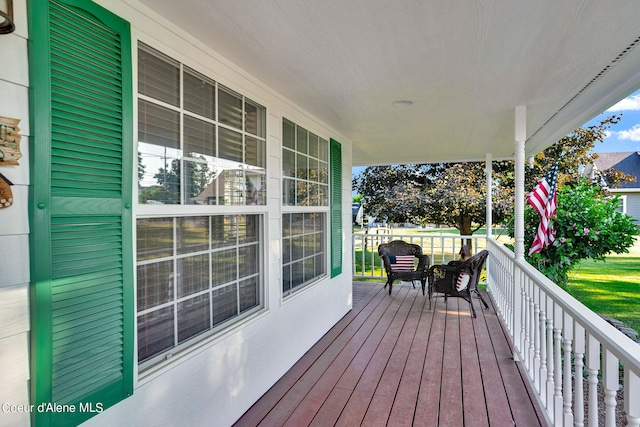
(82, 308)
(335, 153)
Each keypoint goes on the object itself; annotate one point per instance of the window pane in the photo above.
(288, 134)
(158, 125)
(193, 274)
(255, 152)
(313, 145)
(229, 108)
(154, 284)
(200, 185)
(199, 138)
(323, 146)
(302, 164)
(158, 174)
(288, 192)
(302, 144)
(249, 294)
(254, 122)
(221, 231)
(199, 94)
(155, 333)
(234, 187)
(248, 260)
(288, 163)
(158, 76)
(225, 303)
(193, 317)
(257, 188)
(154, 238)
(286, 278)
(248, 228)
(192, 234)
(230, 145)
(224, 267)
(323, 172)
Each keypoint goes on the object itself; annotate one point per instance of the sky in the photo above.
(624, 136)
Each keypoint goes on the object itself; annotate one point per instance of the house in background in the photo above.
(180, 228)
(629, 163)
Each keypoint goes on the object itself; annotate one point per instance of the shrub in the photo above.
(587, 225)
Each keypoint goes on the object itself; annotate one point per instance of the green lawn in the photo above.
(612, 287)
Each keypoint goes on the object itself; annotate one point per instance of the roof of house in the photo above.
(626, 162)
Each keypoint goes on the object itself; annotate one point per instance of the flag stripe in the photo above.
(543, 199)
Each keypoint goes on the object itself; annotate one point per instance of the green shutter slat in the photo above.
(82, 334)
(335, 153)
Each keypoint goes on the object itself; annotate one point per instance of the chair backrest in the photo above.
(399, 247)
(474, 266)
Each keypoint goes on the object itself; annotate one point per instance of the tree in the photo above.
(454, 194)
(587, 225)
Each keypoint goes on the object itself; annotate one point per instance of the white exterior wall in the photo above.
(14, 229)
(218, 381)
(631, 201)
(633, 205)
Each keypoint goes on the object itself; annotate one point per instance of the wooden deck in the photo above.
(387, 363)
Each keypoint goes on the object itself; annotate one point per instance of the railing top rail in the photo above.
(627, 351)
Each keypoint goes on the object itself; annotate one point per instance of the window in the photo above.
(199, 143)
(305, 196)
(200, 146)
(305, 160)
(194, 274)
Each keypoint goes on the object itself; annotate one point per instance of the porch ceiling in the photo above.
(465, 64)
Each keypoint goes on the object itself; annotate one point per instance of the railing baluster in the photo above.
(557, 351)
(632, 397)
(578, 388)
(542, 354)
(550, 359)
(611, 382)
(567, 391)
(593, 365)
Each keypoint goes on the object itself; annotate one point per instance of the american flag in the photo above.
(544, 200)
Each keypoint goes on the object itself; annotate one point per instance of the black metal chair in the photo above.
(399, 265)
(450, 279)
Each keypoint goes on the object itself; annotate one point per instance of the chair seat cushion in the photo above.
(402, 262)
(462, 282)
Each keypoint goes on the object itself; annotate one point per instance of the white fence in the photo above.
(564, 347)
(441, 249)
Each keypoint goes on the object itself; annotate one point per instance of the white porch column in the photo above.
(489, 215)
(521, 136)
(519, 300)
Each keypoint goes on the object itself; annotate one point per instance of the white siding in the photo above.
(633, 206)
(14, 229)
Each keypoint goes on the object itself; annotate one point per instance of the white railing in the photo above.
(441, 249)
(562, 344)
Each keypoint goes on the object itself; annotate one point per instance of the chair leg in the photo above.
(481, 299)
(473, 310)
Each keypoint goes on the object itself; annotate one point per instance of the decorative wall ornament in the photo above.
(6, 197)
(9, 141)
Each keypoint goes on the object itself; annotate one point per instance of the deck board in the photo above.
(393, 362)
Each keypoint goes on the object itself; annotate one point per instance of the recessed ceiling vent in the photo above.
(612, 64)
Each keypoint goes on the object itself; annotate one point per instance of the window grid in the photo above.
(170, 173)
(305, 167)
(180, 308)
